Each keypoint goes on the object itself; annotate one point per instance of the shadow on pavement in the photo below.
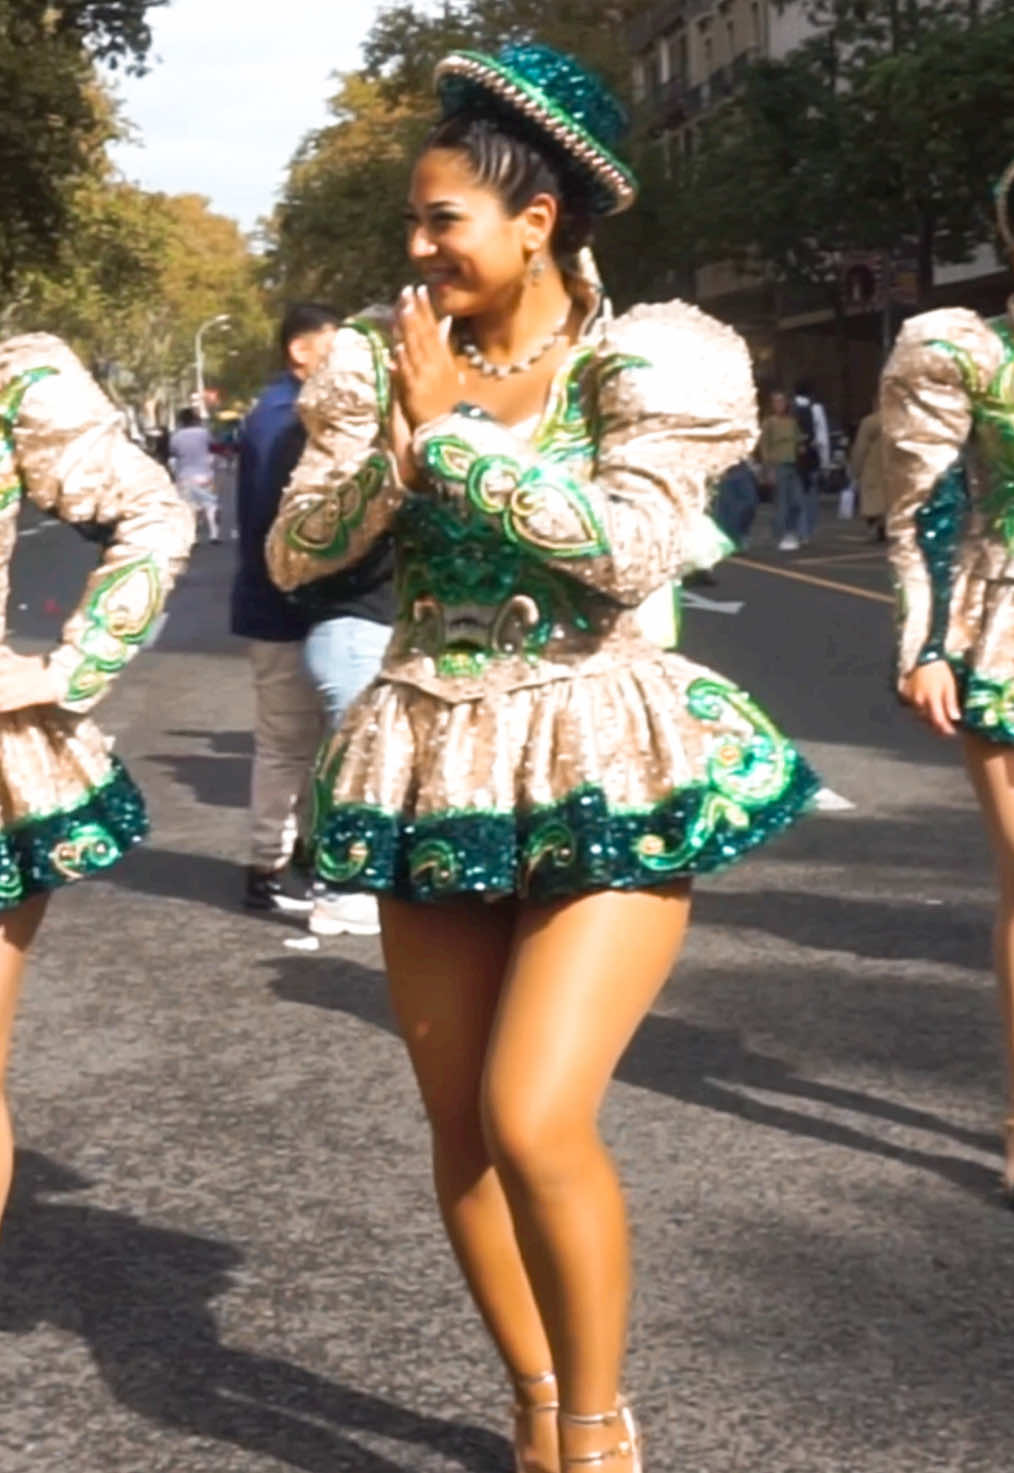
(889, 929)
(707, 1067)
(140, 1297)
(218, 777)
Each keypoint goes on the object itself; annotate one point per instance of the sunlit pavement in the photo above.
(222, 1252)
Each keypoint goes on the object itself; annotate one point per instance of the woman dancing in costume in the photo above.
(531, 783)
(67, 806)
(947, 413)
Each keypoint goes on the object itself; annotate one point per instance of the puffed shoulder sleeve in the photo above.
(73, 458)
(926, 415)
(674, 407)
(344, 492)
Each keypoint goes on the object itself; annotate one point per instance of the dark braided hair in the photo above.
(502, 156)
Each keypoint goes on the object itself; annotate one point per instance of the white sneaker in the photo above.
(337, 915)
(789, 543)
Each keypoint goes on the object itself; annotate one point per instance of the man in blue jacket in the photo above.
(289, 721)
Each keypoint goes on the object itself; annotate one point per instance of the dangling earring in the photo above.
(537, 270)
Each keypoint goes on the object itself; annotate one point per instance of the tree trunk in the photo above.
(926, 242)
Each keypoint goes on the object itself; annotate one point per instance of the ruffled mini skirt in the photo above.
(624, 779)
(68, 807)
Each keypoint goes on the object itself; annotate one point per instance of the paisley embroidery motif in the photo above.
(120, 614)
(10, 404)
(325, 527)
(744, 775)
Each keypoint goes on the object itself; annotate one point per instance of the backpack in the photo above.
(807, 457)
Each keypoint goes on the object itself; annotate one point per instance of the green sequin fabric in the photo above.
(992, 403)
(556, 101)
(46, 851)
(939, 523)
(754, 784)
(567, 848)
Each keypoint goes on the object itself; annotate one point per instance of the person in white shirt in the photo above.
(193, 468)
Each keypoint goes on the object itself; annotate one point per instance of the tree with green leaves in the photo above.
(884, 130)
(53, 122)
(338, 232)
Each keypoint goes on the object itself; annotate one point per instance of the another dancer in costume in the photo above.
(67, 806)
(531, 783)
(947, 412)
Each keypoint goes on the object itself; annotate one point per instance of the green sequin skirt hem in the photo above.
(567, 848)
(39, 854)
(987, 705)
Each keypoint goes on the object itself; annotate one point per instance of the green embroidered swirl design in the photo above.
(554, 844)
(992, 403)
(87, 848)
(744, 774)
(10, 406)
(119, 614)
(324, 530)
(433, 865)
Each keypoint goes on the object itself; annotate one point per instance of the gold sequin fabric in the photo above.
(525, 733)
(947, 401)
(66, 805)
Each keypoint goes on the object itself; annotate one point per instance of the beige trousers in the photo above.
(288, 726)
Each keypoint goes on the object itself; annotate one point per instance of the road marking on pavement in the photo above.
(693, 600)
(871, 555)
(827, 800)
(34, 531)
(877, 598)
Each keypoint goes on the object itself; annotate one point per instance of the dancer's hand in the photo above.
(426, 377)
(25, 680)
(933, 692)
(401, 446)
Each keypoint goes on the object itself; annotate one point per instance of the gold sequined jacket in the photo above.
(947, 402)
(63, 444)
(524, 560)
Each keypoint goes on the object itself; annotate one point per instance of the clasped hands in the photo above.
(427, 381)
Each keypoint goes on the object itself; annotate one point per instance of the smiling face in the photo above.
(471, 253)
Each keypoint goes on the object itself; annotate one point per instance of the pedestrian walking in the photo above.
(68, 807)
(814, 459)
(779, 449)
(288, 717)
(947, 412)
(530, 784)
(867, 472)
(193, 466)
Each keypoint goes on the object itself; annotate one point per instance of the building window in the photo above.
(756, 37)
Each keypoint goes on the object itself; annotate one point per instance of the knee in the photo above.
(538, 1145)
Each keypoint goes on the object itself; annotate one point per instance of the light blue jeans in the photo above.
(342, 657)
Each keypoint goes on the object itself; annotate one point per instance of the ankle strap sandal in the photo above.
(524, 1406)
(628, 1446)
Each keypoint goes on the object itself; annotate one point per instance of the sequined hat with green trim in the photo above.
(561, 103)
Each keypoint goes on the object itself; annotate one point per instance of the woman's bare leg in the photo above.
(582, 976)
(17, 930)
(991, 768)
(446, 965)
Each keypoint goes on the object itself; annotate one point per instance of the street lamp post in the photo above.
(220, 321)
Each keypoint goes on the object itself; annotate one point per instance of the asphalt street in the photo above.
(222, 1252)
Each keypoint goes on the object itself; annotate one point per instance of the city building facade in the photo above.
(689, 57)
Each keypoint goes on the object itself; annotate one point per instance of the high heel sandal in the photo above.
(629, 1444)
(525, 1407)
